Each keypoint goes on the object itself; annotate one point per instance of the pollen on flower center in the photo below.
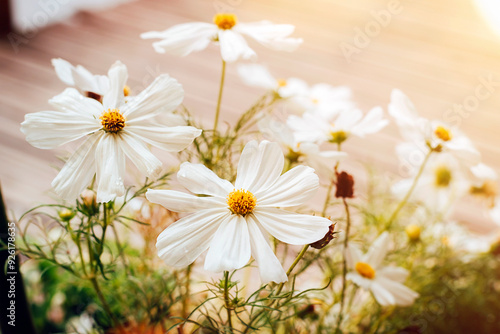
(443, 133)
(282, 82)
(225, 20)
(241, 201)
(338, 137)
(365, 270)
(442, 176)
(112, 120)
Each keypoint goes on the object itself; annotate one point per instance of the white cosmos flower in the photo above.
(182, 39)
(331, 100)
(385, 283)
(323, 98)
(234, 221)
(112, 130)
(259, 76)
(421, 131)
(443, 181)
(80, 78)
(322, 127)
(302, 152)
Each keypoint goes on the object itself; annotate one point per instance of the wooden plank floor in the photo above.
(435, 51)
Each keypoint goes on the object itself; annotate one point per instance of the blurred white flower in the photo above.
(112, 130)
(259, 76)
(80, 78)
(484, 184)
(323, 98)
(443, 181)
(385, 283)
(319, 127)
(301, 152)
(234, 221)
(458, 237)
(436, 134)
(183, 39)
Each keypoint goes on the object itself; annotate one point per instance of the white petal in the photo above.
(182, 39)
(353, 255)
(50, 129)
(377, 251)
(78, 171)
(183, 241)
(401, 108)
(484, 172)
(110, 162)
(164, 94)
(169, 138)
(140, 155)
(277, 131)
(273, 36)
(87, 82)
(200, 180)
(230, 246)
(181, 202)
(114, 97)
(292, 228)
(359, 280)
(63, 71)
(295, 187)
(397, 274)
(72, 101)
(372, 122)
(403, 296)
(234, 47)
(257, 75)
(270, 268)
(382, 295)
(259, 166)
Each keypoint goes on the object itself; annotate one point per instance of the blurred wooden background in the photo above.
(435, 51)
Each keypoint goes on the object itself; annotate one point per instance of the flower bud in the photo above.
(88, 197)
(66, 214)
(345, 185)
(329, 236)
(413, 232)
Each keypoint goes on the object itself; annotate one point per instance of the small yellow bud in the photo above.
(413, 232)
(66, 214)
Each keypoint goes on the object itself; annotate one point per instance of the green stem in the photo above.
(330, 186)
(121, 250)
(280, 287)
(295, 262)
(410, 191)
(227, 302)
(344, 263)
(219, 99)
(185, 300)
(103, 301)
(327, 199)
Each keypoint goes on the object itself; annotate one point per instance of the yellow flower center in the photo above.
(443, 176)
(282, 83)
(338, 137)
(112, 120)
(126, 90)
(365, 270)
(443, 133)
(413, 232)
(241, 201)
(488, 190)
(315, 101)
(225, 20)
